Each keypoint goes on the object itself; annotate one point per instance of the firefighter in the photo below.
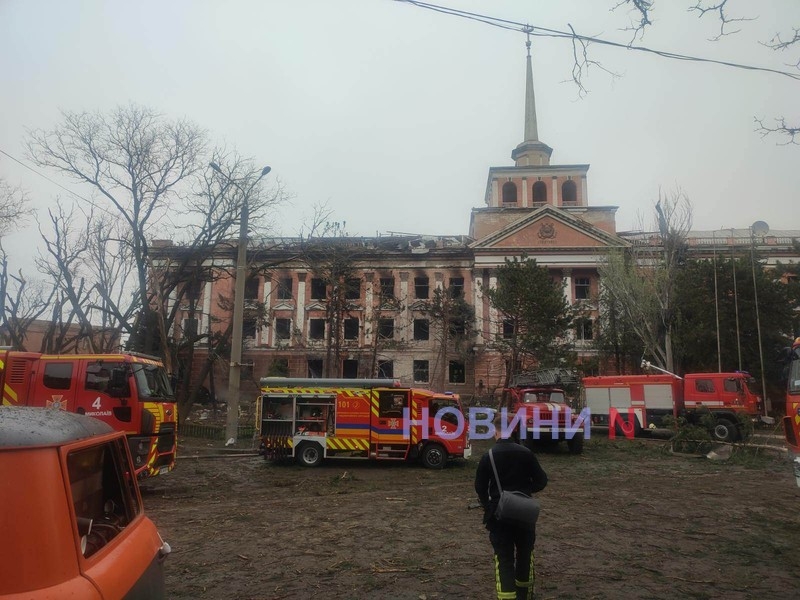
(518, 470)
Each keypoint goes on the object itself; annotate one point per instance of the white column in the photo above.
(555, 190)
(567, 281)
(477, 302)
(205, 318)
(568, 294)
(369, 293)
(403, 325)
(300, 307)
(493, 325)
(262, 339)
(170, 303)
(525, 202)
(584, 192)
(495, 194)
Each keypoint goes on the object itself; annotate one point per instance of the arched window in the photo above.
(569, 192)
(539, 193)
(509, 193)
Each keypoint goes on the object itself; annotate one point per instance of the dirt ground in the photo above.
(625, 520)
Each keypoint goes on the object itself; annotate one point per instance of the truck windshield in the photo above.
(533, 397)
(794, 376)
(439, 403)
(152, 383)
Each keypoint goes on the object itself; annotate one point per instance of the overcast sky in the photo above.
(393, 114)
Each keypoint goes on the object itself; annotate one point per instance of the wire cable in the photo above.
(555, 33)
(18, 161)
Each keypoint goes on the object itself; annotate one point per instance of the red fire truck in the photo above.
(791, 422)
(549, 418)
(313, 419)
(130, 392)
(631, 403)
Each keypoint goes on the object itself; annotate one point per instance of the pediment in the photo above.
(549, 228)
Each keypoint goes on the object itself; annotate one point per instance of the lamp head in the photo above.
(760, 228)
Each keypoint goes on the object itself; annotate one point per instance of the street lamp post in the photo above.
(716, 301)
(759, 228)
(736, 299)
(235, 373)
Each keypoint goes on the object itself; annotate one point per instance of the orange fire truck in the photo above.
(130, 392)
(313, 419)
(791, 422)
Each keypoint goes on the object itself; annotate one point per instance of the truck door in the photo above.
(107, 397)
(55, 386)
(386, 424)
(735, 394)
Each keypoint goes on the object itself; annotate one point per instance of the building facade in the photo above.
(384, 316)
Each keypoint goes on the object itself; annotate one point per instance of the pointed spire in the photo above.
(531, 151)
(531, 130)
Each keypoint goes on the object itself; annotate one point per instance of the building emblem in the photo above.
(547, 231)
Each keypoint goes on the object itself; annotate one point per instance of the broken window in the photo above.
(283, 329)
(385, 329)
(457, 373)
(284, 291)
(385, 369)
(351, 329)
(251, 288)
(421, 329)
(316, 329)
(387, 288)
(421, 287)
(421, 371)
(317, 288)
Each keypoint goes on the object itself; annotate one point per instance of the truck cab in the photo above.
(130, 392)
(548, 416)
(71, 513)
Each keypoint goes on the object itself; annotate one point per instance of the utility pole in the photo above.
(235, 373)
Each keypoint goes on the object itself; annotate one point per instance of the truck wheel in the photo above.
(434, 456)
(575, 445)
(724, 431)
(309, 454)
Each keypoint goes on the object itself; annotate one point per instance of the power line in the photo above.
(555, 33)
(42, 175)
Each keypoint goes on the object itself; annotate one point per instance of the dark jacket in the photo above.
(518, 469)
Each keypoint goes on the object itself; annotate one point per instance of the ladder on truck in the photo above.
(551, 377)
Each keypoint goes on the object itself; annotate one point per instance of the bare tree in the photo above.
(23, 304)
(643, 9)
(641, 280)
(452, 325)
(14, 205)
(64, 255)
(134, 158)
(179, 274)
(332, 257)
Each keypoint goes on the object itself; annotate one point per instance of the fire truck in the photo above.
(130, 392)
(549, 418)
(791, 422)
(633, 403)
(313, 419)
